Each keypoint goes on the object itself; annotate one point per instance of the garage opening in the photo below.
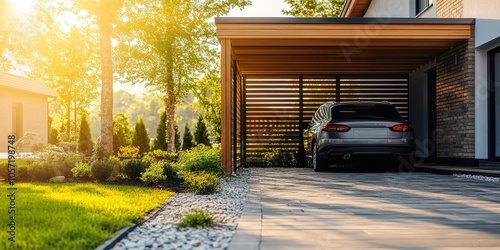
(277, 109)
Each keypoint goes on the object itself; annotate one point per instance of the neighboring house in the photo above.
(23, 109)
(438, 61)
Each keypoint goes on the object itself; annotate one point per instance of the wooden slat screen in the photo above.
(272, 105)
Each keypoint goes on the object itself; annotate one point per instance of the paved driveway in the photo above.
(300, 209)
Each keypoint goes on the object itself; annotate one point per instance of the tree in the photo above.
(314, 8)
(106, 12)
(177, 138)
(171, 43)
(85, 143)
(160, 142)
(53, 136)
(201, 133)
(187, 138)
(208, 92)
(122, 135)
(141, 137)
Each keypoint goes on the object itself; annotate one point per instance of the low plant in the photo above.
(82, 170)
(202, 182)
(200, 159)
(280, 158)
(153, 174)
(117, 165)
(133, 168)
(197, 218)
(128, 152)
(168, 170)
(159, 155)
(41, 171)
(101, 170)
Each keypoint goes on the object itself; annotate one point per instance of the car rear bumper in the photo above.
(344, 153)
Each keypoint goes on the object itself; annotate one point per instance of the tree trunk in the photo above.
(170, 100)
(68, 121)
(107, 86)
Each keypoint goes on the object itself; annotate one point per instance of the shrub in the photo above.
(128, 152)
(202, 183)
(41, 171)
(201, 132)
(187, 138)
(22, 173)
(140, 137)
(82, 170)
(117, 165)
(197, 218)
(101, 170)
(280, 158)
(168, 170)
(154, 174)
(198, 159)
(85, 143)
(133, 168)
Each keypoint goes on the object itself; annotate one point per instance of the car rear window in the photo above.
(365, 112)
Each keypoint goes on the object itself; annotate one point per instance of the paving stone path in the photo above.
(300, 209)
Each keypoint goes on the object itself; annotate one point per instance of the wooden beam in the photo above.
(226, 66)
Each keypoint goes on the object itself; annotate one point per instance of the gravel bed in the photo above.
(160, 231)
(478, 177)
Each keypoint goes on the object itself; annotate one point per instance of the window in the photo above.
(365, 112)
(421, 5)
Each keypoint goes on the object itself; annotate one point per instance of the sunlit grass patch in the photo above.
(73, 216)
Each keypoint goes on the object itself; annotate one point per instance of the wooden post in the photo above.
(226, 104)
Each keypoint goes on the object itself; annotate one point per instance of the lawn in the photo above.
(73, 215)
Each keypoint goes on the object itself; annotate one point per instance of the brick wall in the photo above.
(455, 133)
(449, 8)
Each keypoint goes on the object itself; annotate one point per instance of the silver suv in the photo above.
(347, 132)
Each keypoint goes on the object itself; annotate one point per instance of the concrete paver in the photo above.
(296, 208)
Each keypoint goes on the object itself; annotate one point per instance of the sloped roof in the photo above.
(25, 84)
(355, 8)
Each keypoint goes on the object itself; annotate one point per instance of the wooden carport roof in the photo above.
(304, 46)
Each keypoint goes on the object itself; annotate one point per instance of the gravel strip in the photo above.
(161, 230)
(478, 177)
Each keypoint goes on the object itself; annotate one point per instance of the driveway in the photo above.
(296, 208)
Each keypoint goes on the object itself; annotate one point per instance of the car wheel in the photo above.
(318, 165)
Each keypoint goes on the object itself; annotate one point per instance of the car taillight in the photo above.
(400, 128)
(336, 128)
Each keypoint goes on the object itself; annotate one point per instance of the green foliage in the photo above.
(122, 135)
(201, 133)
(98, 152)
(133, 168)
(202, 182)
(187, 138)
(60, 159)
(208, 92)
(141, 137)
(53, 136)
(85, 143)
(168, 170)
(128, 152)
(154, 174)
(280, 158)
(41, 171)
(200, 159)
(101, 170)
(197, 218)
(160, 141)
(159, 155)
(177, 138)
(117, 165)
(82, 170)
(77, 215)
(314, 8)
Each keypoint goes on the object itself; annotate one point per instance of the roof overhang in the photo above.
(355, 8)
(280, 46)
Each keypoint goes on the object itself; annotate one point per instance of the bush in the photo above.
(82, 170)
(280, 158)
(41, 171)
(61, 160)
(168, 170)
(154, 174)
(133, 168)
(197, 218)
(202, 183)
(101, 170)
(22, 173)
(117, 165)
(128, 152)
(200, 159)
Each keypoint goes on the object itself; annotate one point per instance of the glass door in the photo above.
(494, 59)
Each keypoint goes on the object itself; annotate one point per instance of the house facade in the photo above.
(437, 61)
(24, 108)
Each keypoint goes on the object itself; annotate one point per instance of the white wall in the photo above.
(388, 8)
(481, 9)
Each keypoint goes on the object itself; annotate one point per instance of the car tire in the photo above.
(317, 163)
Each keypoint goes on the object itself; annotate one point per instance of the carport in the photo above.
(277, 71)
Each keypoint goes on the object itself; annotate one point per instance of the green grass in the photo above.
(71, 215)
